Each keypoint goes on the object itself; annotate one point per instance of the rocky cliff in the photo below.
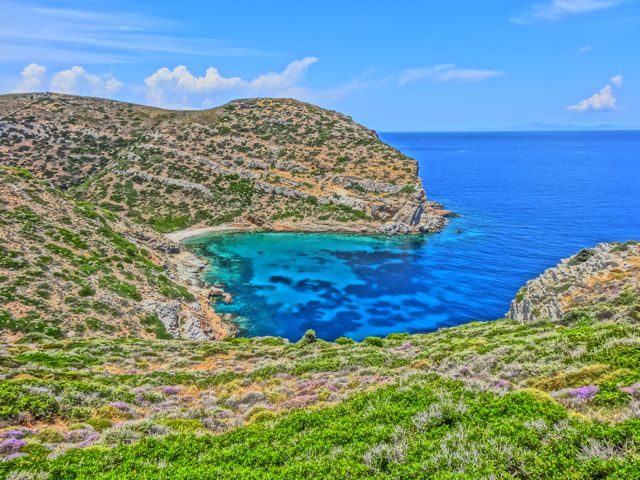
(596, 274)
(277, 163)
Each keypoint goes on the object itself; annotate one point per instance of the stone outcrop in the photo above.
(593, 274)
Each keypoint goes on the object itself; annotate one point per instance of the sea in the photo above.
(525, 200)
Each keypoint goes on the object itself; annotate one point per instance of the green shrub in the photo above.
(344, 341)
(374, 341)
(15, 399)
(86, 291)
(408, 189)
(99, 424)
(50, 435)
(520, 295)
(308, 337)
(581, 257)
(397, 336)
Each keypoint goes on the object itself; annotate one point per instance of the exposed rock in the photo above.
(603, 271)
(395, 228)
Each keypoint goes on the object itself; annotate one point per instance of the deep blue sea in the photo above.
(526, 199)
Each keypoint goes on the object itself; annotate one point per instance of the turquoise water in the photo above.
(526, 200)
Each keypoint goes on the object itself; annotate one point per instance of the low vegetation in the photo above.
(483, 400)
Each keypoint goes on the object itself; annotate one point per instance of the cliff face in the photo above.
(594, 274)
(70, 269)
(277, 163)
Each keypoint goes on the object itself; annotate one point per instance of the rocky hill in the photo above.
(70, 269)
(593, 275)
(277, 163)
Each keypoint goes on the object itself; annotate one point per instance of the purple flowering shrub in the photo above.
(11, 445)
(584, 393)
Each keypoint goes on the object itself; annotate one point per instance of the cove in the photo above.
(526, 199)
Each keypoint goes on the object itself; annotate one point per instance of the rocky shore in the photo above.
(594, 274)
(433, 218)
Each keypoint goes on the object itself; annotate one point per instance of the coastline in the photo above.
(188, 233)
(439, 218)
(192, 266)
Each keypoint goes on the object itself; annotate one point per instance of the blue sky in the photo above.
(392, 65)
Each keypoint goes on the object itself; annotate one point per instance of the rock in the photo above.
(227, 297)
(603, 271)
(189, 269)
(252, 397)
(215, 292)
(395, 228)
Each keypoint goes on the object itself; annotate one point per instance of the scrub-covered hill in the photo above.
(544, 400)
(68, 268)
(276, 163)
(594, 274)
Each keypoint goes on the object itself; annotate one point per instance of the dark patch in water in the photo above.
(389, 321)
(280, 279)
(411, 302)
(377, 311)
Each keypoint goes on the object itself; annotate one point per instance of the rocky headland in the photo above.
(596, 274)
(97, 195)
(279, 164)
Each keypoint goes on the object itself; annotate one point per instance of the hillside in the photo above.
(505, 399)
(278, 164)
(594, 274)
(71, 269)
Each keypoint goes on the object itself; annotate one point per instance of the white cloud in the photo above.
(603, 100)
(181, 88)
(617, 80)
(32, 77)
(585, 49)
(447, 73)
(559, 9)
(82, 36)
(287, 78)
(77, 81)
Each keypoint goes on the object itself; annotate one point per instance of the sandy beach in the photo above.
(181, 235)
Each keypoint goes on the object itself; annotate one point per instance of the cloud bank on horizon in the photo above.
(179, 88)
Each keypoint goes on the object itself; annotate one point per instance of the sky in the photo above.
(392, 65)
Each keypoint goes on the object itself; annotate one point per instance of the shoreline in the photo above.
(179, 236)
(188, 233)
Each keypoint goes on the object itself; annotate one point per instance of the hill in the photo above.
(279, 164)
(543, 399)
(71, 269)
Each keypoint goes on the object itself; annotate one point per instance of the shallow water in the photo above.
(527, 200)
